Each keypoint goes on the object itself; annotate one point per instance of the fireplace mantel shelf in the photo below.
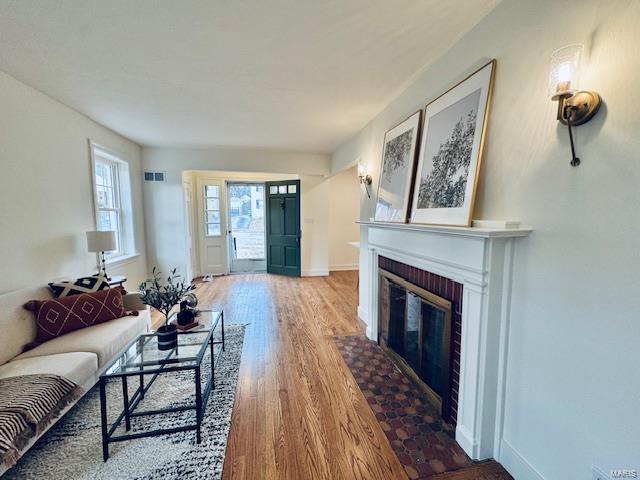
(485, 229)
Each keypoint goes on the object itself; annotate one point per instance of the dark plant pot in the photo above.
(167, 337)
(185, 317)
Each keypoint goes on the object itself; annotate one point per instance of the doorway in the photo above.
(246, 227)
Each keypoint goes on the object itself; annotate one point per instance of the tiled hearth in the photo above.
(422, 440)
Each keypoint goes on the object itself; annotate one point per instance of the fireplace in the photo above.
(471, 267)
(419, 323)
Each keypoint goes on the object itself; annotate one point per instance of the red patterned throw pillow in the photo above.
(63, 315)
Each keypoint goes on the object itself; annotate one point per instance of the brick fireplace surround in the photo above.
(480, 260)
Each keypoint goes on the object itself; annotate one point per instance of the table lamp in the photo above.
(100, 242)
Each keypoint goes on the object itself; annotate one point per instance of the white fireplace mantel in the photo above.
(481, 259)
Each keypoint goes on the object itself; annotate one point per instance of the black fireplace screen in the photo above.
(416, 326)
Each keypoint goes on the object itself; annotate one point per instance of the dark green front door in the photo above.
(283, 227)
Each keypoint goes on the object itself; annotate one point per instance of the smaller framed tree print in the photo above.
(451, 151)
(396, 172)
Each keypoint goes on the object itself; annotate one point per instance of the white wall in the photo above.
(46, 196)
(344, 211)
(164, 207)
(573, 386)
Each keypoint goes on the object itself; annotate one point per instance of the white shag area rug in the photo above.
(72, 449)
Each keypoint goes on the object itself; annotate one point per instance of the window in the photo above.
(212, 210)
(112, 193)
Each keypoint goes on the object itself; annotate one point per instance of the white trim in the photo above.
(516, 464)
(127, 240)
(363, 316)
(121, 260)
(315, 272)
(343, 267)
(463, 231)
(503, 352)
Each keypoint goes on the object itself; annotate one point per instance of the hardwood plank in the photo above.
(298, 412)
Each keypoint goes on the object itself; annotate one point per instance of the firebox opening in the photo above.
(415, 329)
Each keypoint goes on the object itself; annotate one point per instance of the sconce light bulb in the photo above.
(564, 71)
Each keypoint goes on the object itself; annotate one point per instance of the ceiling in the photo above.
(299, 75)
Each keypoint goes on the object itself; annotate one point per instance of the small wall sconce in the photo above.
(365, 179)
(574, 107)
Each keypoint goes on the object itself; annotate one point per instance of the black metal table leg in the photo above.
(103, 415)
(141, 375)
(125, 399)
(222, 323)
(198, 405)
(213, 364)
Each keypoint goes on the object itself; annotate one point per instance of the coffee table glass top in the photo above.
(143, 355)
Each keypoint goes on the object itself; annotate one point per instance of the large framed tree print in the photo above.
(451, 152)
(396, 172)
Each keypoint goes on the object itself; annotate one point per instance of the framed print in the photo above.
(397, 169)
(451, 151)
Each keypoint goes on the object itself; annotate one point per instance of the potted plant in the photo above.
(163, 297)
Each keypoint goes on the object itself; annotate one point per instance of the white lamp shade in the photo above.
(104, 241)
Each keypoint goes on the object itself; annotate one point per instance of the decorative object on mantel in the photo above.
(574, 107)
(163, 297)
(365, 178)
(100, 242)
(451, 151)
(396, 172)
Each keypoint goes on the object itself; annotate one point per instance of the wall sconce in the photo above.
(365, 179)
(574, 107)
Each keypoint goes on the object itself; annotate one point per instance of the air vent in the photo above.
(150, 176)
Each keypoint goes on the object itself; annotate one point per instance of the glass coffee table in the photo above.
(143, 358)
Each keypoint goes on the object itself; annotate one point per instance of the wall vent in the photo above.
(154, 176)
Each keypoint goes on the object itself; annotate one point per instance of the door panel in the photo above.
(213, 234)
(283, 227)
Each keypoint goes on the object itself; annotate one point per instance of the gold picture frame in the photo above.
(451, 150)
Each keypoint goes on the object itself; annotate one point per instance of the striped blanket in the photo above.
(28, 404)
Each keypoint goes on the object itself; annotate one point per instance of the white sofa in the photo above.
(81, 356)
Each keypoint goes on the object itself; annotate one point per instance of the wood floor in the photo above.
(298, 412)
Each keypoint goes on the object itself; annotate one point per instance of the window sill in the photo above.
(122, 260)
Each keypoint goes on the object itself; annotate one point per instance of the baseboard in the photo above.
(318, 272)
(516, 464)
(466, 441)
(343, 266)
(363, 315)
(361, 320)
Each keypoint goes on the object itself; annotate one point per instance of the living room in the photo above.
(342, 239)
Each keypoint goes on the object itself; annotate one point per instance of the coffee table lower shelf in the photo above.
(130, 404)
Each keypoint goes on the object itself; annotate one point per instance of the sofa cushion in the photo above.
(91, 284)
(63, 315)
(16, 324)
(79, 367)
(105, 339)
